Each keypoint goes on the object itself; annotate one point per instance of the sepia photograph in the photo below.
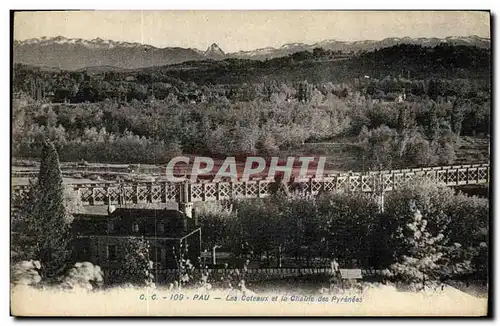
(250, 163)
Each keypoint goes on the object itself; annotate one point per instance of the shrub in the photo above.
(83, 275)
(136, 267)
(26, 273)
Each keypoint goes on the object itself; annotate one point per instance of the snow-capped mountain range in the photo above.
(70, 53)
(366, 45)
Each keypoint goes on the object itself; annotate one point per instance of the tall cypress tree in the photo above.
(46, 222)
(432, 123)
(402, 123)
(304, 93)
(457, 116)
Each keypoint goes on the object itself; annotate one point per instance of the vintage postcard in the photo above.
(250, 163)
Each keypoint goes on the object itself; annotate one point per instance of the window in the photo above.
(135, 227)
(161, 227)
(111, 252)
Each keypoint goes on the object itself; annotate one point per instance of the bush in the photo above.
(83, 275)
(26, 273)
(136, 267)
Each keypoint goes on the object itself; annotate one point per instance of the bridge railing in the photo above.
(161, 192)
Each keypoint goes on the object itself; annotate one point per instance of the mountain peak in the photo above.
(214, 51)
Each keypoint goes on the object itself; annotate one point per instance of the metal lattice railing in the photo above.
(162, 192)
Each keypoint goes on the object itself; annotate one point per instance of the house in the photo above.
(101, 234)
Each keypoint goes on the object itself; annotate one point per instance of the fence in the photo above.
(162, 192)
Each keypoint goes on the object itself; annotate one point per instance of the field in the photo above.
(342, 155)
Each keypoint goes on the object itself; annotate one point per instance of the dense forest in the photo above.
(406, 105)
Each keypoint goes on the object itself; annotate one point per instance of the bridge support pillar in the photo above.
(380, 193)
(187, 208)
(381, 201)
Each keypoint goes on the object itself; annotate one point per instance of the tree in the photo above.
(305, 90)
(425, 251)
(405, 126)
(416, 151)
(185, 267)
(43, 231)
(122, 92)
(216, 221)
(319, 52)
(432, 123)
(174, 149)
(380, 146)
(347, 222)
(457, 117)
(171, 99)
(262, 234)
(270, 88)
(137, 267)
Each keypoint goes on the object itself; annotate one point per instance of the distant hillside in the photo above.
(190, 81)
(357, 46)
(73, 54)
(416, 61)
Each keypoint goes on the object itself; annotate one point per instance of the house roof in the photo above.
(93, 210)
(175, 223)
(139, 212)
(102, 211)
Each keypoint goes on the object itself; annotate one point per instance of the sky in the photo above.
(247, 30)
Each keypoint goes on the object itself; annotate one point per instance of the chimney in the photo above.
(111, 208)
